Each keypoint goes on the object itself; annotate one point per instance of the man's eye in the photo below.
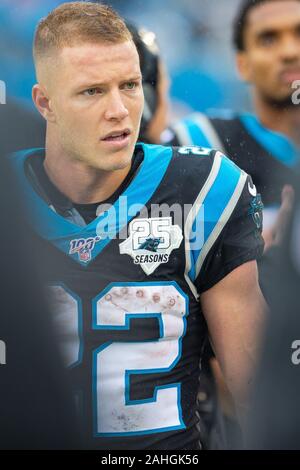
(130, 85)
(267, 39)
(91, 91)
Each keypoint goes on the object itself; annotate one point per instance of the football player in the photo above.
(133, 320)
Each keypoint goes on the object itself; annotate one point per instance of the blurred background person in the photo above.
(266, 36)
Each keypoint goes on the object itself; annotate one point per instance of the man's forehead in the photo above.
(91, 55)
(274, 13)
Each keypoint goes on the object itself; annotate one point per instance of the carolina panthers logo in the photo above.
(151, 244)
(256, 207)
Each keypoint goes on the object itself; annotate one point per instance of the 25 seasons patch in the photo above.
(151, 242)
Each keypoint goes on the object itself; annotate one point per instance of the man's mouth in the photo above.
(117, 136)
(290, 75)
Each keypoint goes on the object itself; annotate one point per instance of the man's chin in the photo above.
(281, 102)
(115, 161)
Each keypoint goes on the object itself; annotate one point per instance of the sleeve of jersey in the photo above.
(196, 129)
(230, 226)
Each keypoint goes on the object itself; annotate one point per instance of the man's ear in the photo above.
(43, 102)
(242, 64)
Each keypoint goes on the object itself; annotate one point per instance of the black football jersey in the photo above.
(125, 289)
(269, 157)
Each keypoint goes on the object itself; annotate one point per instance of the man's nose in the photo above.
(115, 109)
(290, 48)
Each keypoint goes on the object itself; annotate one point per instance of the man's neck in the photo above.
(80, 183)
(283, 120)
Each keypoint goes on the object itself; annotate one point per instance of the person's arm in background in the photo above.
(274, 235)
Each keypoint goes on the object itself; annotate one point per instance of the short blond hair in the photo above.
(75, 23)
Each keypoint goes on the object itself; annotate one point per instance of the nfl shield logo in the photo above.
(83, 247)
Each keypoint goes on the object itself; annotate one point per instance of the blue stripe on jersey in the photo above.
(46, 222)
(59, 231)
(275, 143)
(214, 204)
(197, 135)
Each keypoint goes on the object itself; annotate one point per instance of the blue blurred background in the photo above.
(194, 38)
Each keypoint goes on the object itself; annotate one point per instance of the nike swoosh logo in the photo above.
(252, 189)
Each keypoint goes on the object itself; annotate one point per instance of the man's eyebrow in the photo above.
(132, 78)
(269, 31)
(87, 85)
